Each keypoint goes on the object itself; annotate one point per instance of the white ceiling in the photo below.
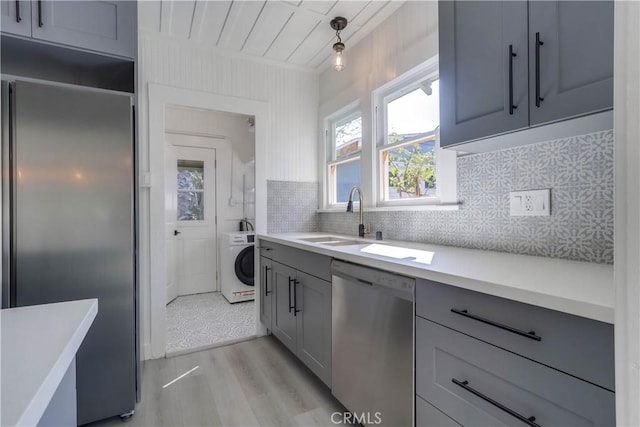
(294, 32)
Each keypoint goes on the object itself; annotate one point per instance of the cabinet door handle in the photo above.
(539, 43)
(291, 280)
(295, 298)
(531, 335)
(266, 280)
(18, 17)
(511, 56)
(40, 22)
(465, 385)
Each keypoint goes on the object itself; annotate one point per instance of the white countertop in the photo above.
(38, 344)
(579, 288)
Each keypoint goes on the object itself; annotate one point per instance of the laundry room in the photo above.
(210, 210)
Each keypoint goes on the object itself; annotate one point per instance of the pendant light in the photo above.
(338, 60)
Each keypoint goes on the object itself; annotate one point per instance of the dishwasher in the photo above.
(372, 344)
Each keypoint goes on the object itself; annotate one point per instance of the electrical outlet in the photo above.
(530, 203)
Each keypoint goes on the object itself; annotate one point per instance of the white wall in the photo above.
(292, 96)
(404, 40)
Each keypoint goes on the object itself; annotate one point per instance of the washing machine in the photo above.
(236, 266)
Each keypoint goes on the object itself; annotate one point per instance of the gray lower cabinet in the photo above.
(302, 317)
(16, 17)
(313, 305)
(295, 303)
(510, 65)
(428, 415)
(575, 345)
(477, 384)
(284, 322)
(574, 56)
(102, 26)
(266, 291)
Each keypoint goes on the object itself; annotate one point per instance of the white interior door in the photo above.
(170, 221)
(196, 219)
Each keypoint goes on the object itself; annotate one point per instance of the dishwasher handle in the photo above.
(384, 281)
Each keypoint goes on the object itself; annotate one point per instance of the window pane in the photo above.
(411, 171)
(414, 114)
(348, 137)
(190, 175)
(346, 175)
(190, 206)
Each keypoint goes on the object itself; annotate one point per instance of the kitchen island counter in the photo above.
(39, 345)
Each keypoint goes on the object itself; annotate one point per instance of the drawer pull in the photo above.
(465, 385)
(531, 335)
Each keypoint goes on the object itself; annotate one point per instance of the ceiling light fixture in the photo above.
(338, 60)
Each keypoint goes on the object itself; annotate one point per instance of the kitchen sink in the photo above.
(333, 241)
(345, 243)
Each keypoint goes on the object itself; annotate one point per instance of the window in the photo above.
(190, 190)
(344, 163)
(411, 164)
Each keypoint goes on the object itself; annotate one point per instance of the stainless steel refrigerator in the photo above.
(68, 224)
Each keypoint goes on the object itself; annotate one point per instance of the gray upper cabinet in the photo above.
(102, 26)
(511, 65)
(480, 42)
(574, 58)
(16, 17)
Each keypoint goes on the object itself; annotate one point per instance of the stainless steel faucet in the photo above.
(361, 232)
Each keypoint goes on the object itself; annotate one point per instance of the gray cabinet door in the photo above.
(266, 291)
(575, 60)
(313, 306)
(16, 17)
(283, 320)
(474, 69)
(102, 26)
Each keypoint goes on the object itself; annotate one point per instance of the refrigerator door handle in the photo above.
(8, 186)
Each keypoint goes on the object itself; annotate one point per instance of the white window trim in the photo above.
(346, 113)
(446, 160)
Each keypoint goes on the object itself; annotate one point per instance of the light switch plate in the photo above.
(530, 203)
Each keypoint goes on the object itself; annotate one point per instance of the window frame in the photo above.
(445, 160)
(345, 114)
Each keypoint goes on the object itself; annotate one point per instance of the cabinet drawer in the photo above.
(428, 416)
(468, 380)
(309, 262)
(266, 249)
(581, 347)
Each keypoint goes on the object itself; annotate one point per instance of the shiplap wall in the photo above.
(291, 93)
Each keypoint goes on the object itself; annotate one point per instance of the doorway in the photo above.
(208, 181)
(153, 274)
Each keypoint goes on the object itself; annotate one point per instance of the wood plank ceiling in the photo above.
(292, 32)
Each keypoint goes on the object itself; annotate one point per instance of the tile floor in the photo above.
(201, 320)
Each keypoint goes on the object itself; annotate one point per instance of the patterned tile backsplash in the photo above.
(579, 171)
(291, 206)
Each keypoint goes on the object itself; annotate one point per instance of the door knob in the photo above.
(176, 232)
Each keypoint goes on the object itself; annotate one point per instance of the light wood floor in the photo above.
(253, 383)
